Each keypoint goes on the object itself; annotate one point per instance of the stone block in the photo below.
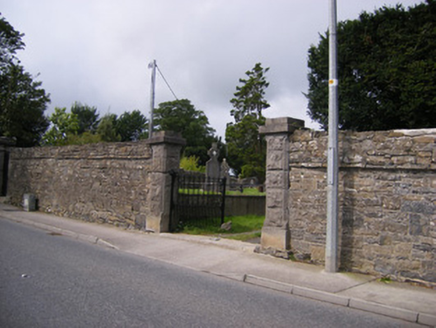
(140, 220)
(385, 267)
(153, 223)
(277, 142)
(396, 228)
(276, 179)
(423, 207)
(309, 184)
(276, 217)
(317, 253)
(282, 125)
(315, 238)
(275, 238)
(402, 250)
(429, 139)
(391, 202)
(276, 160)
(296, 234)
(275, 198)
(415, 225)
(404, 264)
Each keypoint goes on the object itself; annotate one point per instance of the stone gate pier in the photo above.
(275, 232)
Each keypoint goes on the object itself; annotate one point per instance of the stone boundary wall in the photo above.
(117, 183)
(387, 199)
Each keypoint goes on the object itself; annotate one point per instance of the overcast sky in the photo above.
(97, 51)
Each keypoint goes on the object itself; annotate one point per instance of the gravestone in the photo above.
(212, 165)
(225, 170)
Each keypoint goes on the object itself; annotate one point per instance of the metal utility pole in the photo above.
(152, 65)
(331, 252)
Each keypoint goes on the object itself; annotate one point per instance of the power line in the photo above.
(166, 82)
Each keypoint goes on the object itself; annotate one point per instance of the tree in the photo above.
(181, 116)
(249, 98)
(10, 43)
(246, 147)
(64, 126)
(84, 138)
(387, 70)
(87, 116)
(80, 126)
(131, 126)
(107, 128)
(22, 100)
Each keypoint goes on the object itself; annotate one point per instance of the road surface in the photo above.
(49, 280)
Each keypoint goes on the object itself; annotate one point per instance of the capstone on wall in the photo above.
(387, 200)
(106, 182)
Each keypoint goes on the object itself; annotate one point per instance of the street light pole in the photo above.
(152, 65)
(331, 256)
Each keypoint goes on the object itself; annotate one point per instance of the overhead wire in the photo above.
(169, 87)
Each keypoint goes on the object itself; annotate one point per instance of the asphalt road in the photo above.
(49, 280)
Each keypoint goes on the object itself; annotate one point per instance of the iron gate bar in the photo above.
(223, 202)
(173, 180)
(196, 199)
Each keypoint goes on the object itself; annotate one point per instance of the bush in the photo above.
(191, 164)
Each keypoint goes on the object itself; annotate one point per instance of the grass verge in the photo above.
(243, 228)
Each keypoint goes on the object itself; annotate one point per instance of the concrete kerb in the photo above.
(74, 235)
(384, 310)
(427, 319)
(332, 298)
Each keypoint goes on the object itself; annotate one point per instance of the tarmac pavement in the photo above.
(237, 260)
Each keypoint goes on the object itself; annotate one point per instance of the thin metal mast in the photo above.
(152, 65)
(331, 254)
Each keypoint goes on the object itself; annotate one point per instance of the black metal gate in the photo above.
(196, 200)
(4, 166)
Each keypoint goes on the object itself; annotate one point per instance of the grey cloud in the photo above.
(97, 51)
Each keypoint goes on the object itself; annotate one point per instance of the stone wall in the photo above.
(118, 183)
(387, 199)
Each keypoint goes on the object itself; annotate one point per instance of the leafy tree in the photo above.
(387, 70)
(10, 43)
(22, 100)
(107, 128)
(84, 138)
(249, 98)
(246, 147)
(64, 126)
(87, 116)
(181, 116)
(131, 126)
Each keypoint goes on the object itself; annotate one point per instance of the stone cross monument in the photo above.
(212, 165)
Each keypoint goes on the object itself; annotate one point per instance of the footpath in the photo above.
(237, 260)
